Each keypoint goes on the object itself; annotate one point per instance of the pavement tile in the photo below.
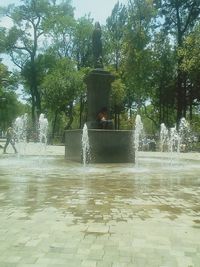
(53, 215)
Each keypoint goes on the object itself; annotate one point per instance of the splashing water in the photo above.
(85, 145)
(20, 128)
(175, 140)
(43, 129)
(185, 135)
(164, 135)
(137, 134)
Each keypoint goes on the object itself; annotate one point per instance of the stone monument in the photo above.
(98, 82)
(97, 47)
(106, 145)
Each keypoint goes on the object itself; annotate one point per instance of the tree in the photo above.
(114, 35)
(190, 54)
(137, 52)
(22, 41)
(10, 107)
(82, 42)
(117, 99)
(60, 25)
(82, 53)
(61, 88)
(163, 80)
(180, 17)
(2, 39)
(31, 23)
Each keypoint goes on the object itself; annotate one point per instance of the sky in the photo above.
(98, 9)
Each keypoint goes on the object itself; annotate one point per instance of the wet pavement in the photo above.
(59, 213)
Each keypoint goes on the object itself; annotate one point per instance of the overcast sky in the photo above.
(99, 9)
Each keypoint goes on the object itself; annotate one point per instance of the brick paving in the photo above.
(55, 213)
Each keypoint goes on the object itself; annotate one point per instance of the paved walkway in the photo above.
(54, 213)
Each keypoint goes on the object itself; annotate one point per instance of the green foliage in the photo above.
(153, 46)
(137, 52)
(113, 35)
(10, 107)
(83, 42)
(190, 65)
(42, 64)
(163, 79)
(117, 96)
(190, 52)
(180, 16)
(59, 25)
(61, 85)
(61, 88)
(34, 22)
(2, 39)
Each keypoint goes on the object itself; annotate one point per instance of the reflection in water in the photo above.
(54, 211)
(100, 193)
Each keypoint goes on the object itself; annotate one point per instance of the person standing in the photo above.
(10, 134)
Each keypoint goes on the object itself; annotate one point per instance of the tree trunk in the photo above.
(118, 121)
(54, 126)
(81, 111)
(180, 97)
(115, 119)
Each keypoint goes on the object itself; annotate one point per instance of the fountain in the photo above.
(164, 135)
(174, 140)
(137, 136)
(85, 145)
(106, 145)
(20, 127)
(106, 214)
(58, 213)
(185, 136)
(88, 214)
(43, 129)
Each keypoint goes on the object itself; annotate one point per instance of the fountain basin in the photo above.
(106, 146)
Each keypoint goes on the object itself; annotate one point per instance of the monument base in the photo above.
(106, 146)
(98, 94)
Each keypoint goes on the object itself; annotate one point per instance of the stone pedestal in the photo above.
(98, 94)
(106, 146)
